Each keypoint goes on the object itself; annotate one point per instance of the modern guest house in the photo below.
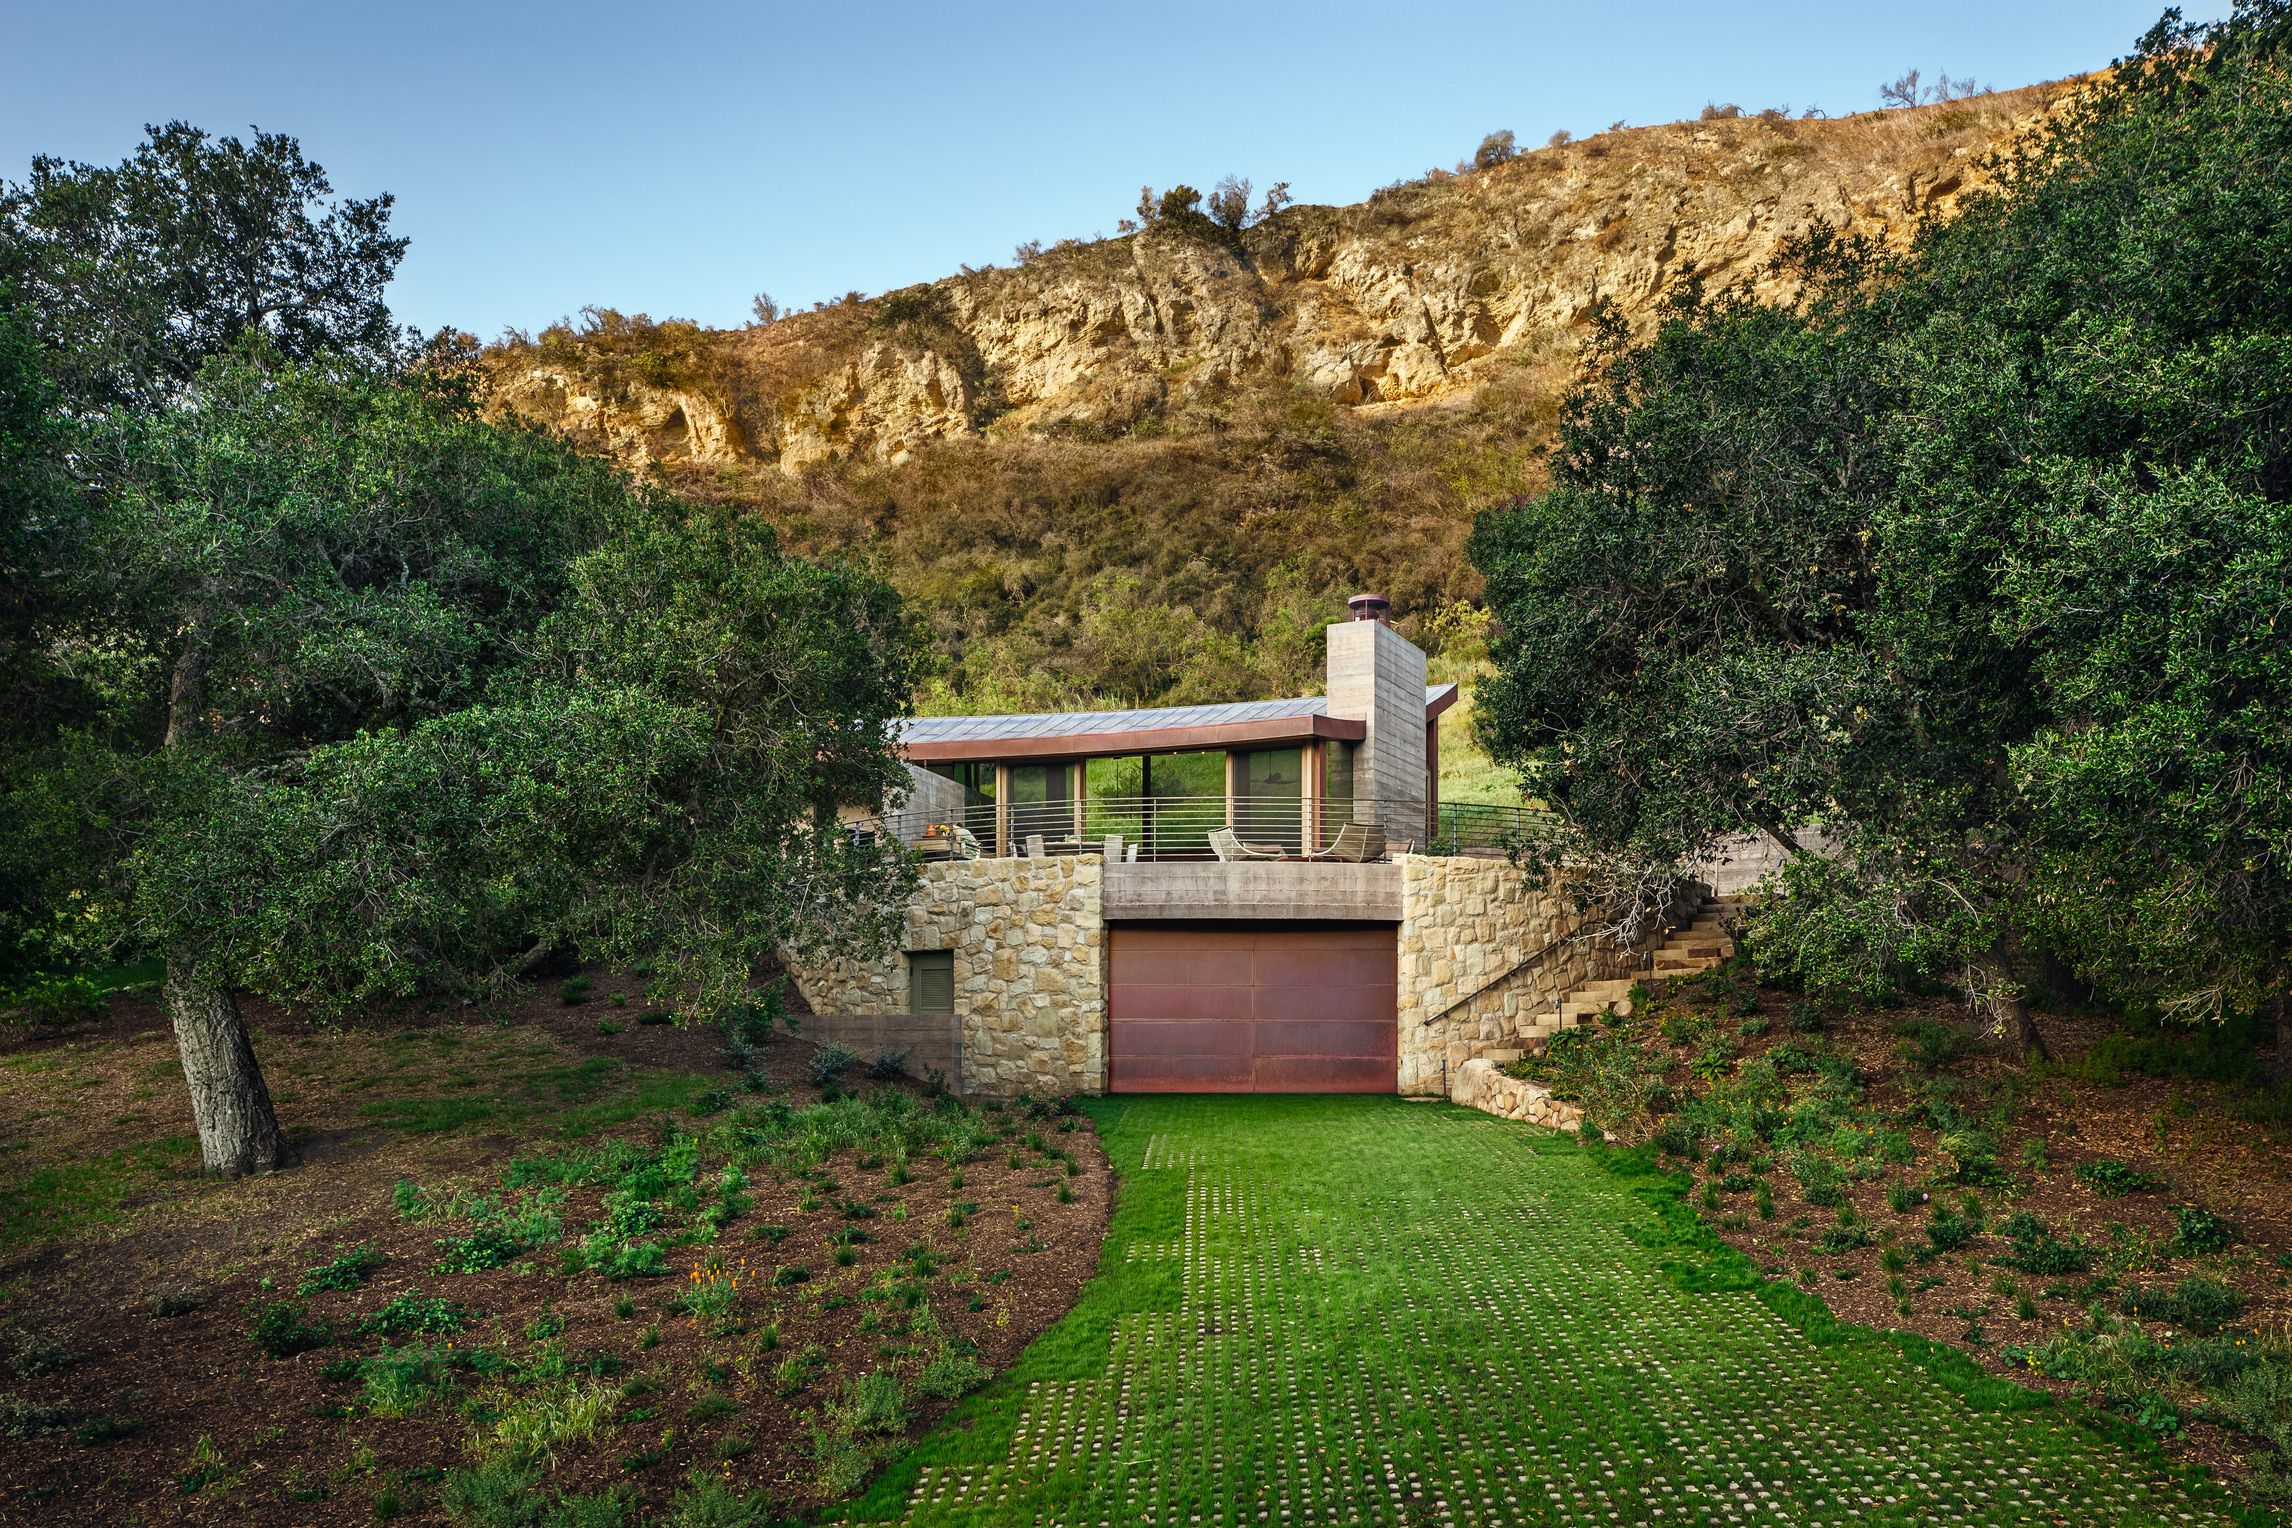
(1255, 896)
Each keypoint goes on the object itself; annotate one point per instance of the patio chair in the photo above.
(1356, 843)
(966, 843)
(1035, 848)
(1130, 855)
(1114, 848)
(1229, 846)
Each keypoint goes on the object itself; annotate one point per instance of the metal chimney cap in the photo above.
(1370, 607)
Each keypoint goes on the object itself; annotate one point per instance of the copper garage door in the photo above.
(1220, 1010)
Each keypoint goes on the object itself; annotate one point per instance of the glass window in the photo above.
(931, 981)
(978, 782)
(1042, 801)
(1185, 799)
(1271, 791)
(1114, 799)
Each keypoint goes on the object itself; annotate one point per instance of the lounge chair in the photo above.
(1355, 843)
(1229, 846)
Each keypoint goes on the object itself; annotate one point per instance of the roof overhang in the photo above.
(1440, 701)
(1087, 745)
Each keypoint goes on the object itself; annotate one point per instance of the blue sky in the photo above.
(676, 159)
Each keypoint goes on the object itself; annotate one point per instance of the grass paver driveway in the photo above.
(1358, 1310)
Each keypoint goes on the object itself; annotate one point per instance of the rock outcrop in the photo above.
(1406, 299)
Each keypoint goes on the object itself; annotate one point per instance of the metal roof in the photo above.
(1056, 724)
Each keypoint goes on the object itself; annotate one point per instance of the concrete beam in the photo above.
(1253, 892)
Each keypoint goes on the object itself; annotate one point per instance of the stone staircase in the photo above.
(1701, 943)
(1697, 945)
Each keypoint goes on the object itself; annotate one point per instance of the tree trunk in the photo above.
(238, 1129)
(2012, 1014)
(2280, 1065)
(187, 688)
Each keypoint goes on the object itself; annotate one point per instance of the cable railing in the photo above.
(1473, 827)
(1154, 828)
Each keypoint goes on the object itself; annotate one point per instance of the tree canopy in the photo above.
(1972, 556)
(135, 274)
(321, 686)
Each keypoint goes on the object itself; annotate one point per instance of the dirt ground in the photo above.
(131, 1276)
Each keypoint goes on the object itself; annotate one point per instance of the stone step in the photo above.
(1674, 960)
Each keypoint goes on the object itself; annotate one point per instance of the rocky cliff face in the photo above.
(1415, 296)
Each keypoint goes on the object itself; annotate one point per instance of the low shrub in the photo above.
(105, 1428)
(2197, 1230)
(22, 1418)
(828, 1063)
(2196, 1304)
(952, 1374)
(1947, 1230)
(2112, 1179)
(54, 1001)
(1818, 1179)
(168, 1304)
(414, 1314)
(37, 1353)
(282, 1328)
(347, 1270)
(477, 1252)
(795, 1373)
(707, 1501)
(1930, 1045)
(2034, 1248)
(874, 1402)
(1848, 1235)
(398, 1382)
(1973, 1158)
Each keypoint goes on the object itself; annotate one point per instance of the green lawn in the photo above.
(1365, 1311)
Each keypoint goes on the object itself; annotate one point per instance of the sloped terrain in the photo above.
(1143, 469)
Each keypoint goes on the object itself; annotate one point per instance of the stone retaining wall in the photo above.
(1029, 943)
(1479, 1085)
(1467, 925)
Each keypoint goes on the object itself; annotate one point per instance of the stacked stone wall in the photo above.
(1028, 938)
(1485, 956)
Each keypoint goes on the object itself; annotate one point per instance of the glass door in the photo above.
(1271, 800)
(1042, 803)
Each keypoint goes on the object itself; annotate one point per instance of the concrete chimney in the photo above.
(1377, 676)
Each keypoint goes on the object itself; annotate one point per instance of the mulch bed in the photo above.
(295, 1447)
(2184, 1132)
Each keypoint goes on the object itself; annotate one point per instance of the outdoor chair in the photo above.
(1356, 843)
(1114, 848)
(1035, 848)
(1229, 846)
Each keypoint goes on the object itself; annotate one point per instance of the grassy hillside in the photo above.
(1148, 469)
